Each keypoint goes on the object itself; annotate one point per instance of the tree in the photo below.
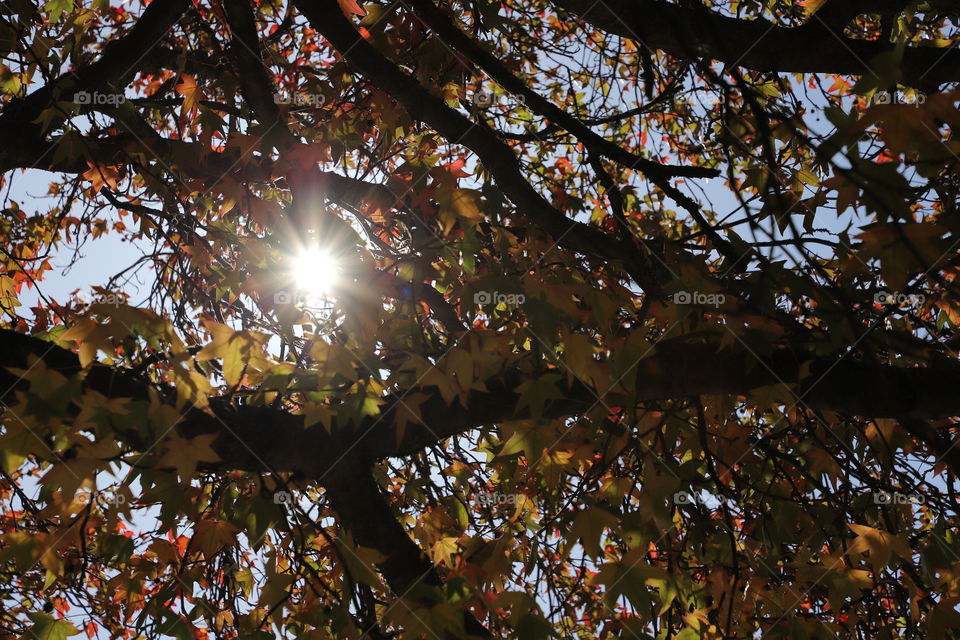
(643, 321)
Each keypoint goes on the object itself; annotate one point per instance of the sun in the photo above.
(315, 272)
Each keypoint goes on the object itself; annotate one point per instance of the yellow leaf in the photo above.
(879, 544)
(92, 336)
(444, 549)
(314, 413)
(238, 349)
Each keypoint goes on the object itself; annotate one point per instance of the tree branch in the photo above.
(672, 371)
(818, 46)
(112, 71)
(361, 506)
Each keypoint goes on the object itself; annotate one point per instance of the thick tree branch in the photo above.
(255, 84)
(266, 439)
(362, 507)
(818, 46)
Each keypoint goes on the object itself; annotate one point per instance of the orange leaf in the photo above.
(101, 175)
(187, 87)
(350, 7)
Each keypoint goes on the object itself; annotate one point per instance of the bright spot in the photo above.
(315, 272)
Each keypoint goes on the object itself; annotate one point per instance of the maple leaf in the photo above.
(184, 454)
(101, 175)
(350, 8)
(879, 544)
(212, 535)
(444, 549)
(536, 394)
(588, 528)
(238, 349)
(57, 8)
(187, 87)
(46, 627)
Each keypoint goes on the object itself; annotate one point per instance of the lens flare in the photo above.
(315, 272)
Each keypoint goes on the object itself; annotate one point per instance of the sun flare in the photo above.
(316, 272)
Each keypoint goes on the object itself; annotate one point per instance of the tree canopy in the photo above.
(491, 319)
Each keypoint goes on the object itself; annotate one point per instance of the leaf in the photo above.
(444, 549)
(903, 250)
(101, 175)
(944, 618)
(57, 8)
(350, 7)
(578, 353)
(184, 454)
(361, 562)
(93, 337)
(9, 81)
(879, 544)
(535, 394)
(806, 176)
(187, 87)
(810, 7)
(46, 627)
(213, 535)
(588, 528)
(238, 349)
(458, 204)
(469, 248)
(847, 192)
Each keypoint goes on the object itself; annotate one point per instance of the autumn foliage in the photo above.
(523, 319)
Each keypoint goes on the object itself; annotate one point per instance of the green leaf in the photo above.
(469, 248)
(46, 627)
(57, 8)
(535, 394)
(588, 528)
